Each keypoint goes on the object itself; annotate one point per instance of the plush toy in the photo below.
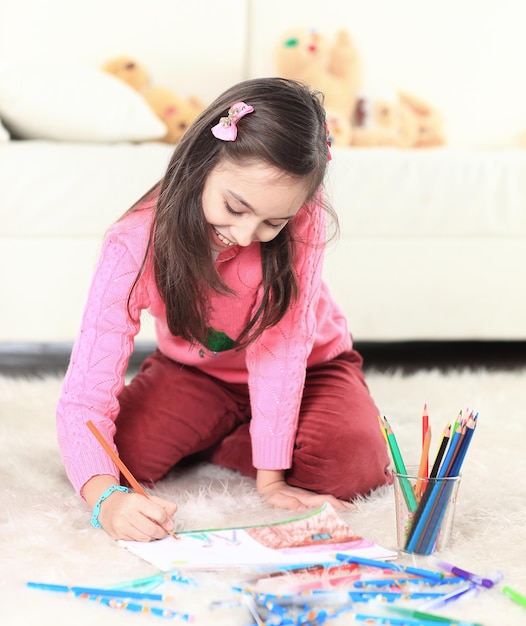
(426, 122)
(339, 129)
(174, 111)
(307, 56)
(399, 119)
(128, 70)
(376, 121)
(355, 118)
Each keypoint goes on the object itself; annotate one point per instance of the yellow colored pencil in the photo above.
(383, 428)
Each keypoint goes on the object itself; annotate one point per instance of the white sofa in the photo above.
(433, 242)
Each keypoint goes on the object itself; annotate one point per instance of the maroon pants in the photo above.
(170, 412)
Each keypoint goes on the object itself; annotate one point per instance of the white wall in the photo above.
(184, 45)
(465, 56)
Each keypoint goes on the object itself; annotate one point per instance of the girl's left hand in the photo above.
(272, 486)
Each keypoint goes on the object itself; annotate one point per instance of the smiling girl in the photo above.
(254, 368)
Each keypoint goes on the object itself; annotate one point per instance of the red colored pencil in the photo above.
(425, 428)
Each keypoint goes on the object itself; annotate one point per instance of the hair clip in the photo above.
(226, 129)
(329, 142)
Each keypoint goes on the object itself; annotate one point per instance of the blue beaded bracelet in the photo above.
(96, 509)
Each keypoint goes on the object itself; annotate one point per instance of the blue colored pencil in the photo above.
(428, 502)
(172, 576)
(471, 424)
(396, 581)
(437, 515)
(136, 607)
(423, 573)
(438, 469)
(96, 591)
(450, 597)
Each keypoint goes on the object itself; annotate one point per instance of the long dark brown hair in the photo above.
(287, 131)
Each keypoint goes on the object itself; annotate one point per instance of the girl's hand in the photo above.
(272, 486)
(130, 516)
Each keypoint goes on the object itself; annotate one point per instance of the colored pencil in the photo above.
(429, 522)
(428, 502)
(439, 509)
(398, 581)
(423, 467)
(136, 607)
(514, 595)
(156, 578)
(390, 620)
(116, 459)
(383, 428)
(424, 616)
(419, 537)
(441, 450)
(456, 445)
(468, 588)
(97, 591)
(470, 426)
(407, 490)
(425, 427)
(386, 565)
(120, 464)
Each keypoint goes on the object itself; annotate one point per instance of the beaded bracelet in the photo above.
(96, 509)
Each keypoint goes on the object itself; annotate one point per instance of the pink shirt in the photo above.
(312, 331)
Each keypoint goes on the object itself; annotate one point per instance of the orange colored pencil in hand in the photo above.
(120, 464)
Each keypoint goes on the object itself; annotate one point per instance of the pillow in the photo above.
(66, 101)
(4, 135)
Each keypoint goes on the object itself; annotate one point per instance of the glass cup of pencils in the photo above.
(425, 509)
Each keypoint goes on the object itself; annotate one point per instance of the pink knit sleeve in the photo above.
(277, 362)
(100, 356)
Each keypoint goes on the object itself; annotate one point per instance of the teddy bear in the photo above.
(424, 122)
(175, 112)
(334, 69)
(376, 121)
(356, 117)
(398, 119)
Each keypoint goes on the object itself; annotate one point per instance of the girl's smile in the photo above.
(222, 239)
(249, 203)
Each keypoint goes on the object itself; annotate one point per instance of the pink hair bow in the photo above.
(226, 129)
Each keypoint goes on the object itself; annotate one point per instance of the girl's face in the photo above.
(249, 203)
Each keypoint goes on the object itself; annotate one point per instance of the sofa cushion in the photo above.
(439, 192)
(68, 101)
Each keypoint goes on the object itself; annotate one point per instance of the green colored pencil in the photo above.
(426, 617)
(400, 468)
(515, 596)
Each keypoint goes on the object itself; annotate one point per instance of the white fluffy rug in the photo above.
(46, 536)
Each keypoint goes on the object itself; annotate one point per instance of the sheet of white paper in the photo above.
(314, 538)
